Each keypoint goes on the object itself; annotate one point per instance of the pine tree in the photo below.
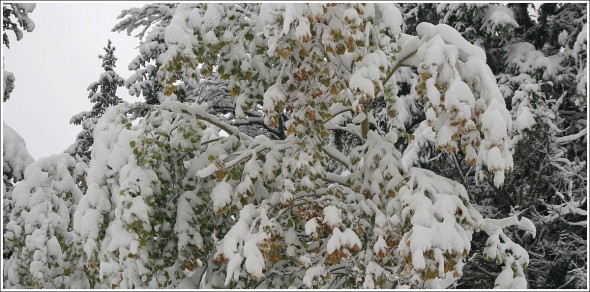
(546, 87)
(542, 91)
(102, 94)
(537, 67)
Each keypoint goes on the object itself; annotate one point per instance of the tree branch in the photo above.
(567, 139)
(256, 121)
(349, 128)
(337, 155)
(200, 113)
(409, 48)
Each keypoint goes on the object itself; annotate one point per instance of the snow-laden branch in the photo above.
(567, 139)
(408, 49)
(200, 113)
(337, 155)
(353, 129)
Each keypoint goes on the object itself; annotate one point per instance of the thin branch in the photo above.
(256, 121)
(485, 271)
(454, 158)
(339, 111)
(212, 140)
(396, 67)
(352, 129)
(337, 155)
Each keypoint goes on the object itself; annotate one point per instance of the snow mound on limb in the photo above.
(440, 221)
(16, 158)
(242, 244)
(464, 107)
(450, 35)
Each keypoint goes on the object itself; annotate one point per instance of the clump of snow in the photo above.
(8, 84)
(312, 273)
(254, 260)
(528, 225)
(497, 17)
(524, 58)
(423, 134)
(503, 250)
(458, 92)
(302, 31)
(16, 158)
(429, 204)
(311, 226)
(391, 16)
(221, 195)
(581, 45)
(494, 159)
(524, 120)
(580, 50)
(273, 95)
(432, 92)
(359, 81)
(418, 259)
(444, 137)
(451, 36)
(339, 239)
(332, 216)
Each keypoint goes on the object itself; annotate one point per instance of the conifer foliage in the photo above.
(102, 94)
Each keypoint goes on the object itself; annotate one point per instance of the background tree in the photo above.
(102, 94)
(15, 16)
(537, 74)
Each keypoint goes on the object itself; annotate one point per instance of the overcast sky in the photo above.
(54, 65)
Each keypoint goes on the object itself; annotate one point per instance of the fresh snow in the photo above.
(221, 195)
(15, 157)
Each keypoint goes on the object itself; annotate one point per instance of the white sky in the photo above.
(53, 66)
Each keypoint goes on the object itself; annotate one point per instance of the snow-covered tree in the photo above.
(543, 80)
(182, 198)
(102, 94)
(15, 16)
(15, 159)
(317, 146)
(537, 67)
(147, 81)
(38, 230)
